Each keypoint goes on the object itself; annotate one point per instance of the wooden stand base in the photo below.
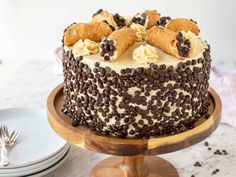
(135, 155)
(134, 166)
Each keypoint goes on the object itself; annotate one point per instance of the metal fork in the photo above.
(7, 139)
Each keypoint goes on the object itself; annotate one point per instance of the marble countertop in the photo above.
(27, 83)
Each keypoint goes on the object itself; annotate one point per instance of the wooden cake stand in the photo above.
(133, 157)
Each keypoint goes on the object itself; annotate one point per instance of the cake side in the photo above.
(138, 102)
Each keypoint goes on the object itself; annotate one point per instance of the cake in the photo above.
(135, 77)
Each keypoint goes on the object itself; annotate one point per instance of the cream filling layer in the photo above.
(140, 30)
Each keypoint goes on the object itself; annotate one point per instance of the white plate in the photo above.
(40, 172)
(37, 140)
(38, 163)
(51, 169)
(37, 166)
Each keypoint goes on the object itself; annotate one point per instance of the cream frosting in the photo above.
(145, 54)
(128, 20)
(140, 31)
(192, 38)
(85, 47)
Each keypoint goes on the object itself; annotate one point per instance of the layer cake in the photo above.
(135, 77)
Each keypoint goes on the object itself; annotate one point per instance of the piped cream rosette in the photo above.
(140, 30)
(145, 54)
(85, 47)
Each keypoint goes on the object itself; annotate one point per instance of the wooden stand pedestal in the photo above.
(134, 166)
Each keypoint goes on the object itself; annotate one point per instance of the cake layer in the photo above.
(127, 98)
(126, 60)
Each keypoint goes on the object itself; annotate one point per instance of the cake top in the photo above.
(145, 38)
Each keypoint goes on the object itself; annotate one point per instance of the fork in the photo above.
(7, 139)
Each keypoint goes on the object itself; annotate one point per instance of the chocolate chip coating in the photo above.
(107, 49)
(120, 21)
(136, 102)
(183, 45)
(140, 19)
(163, 21)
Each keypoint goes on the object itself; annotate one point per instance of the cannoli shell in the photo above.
(153, 17)
(104, 16)
(183, 24)
(92, 31)
(123, 39)
(164, 39)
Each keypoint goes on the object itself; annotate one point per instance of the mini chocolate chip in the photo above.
(111, 53)
(96, 64)
(152, 65)
(79, 58)
(75, 122)
(131, 132)
(194, 62)
(179, 37)
(65, 110)
(107, 58)
(197, 164)
(141, 122)
(98, 12)
(188, 62)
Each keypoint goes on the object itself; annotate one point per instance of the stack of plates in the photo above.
(39, 149)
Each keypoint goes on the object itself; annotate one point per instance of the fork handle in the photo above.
(4, 159)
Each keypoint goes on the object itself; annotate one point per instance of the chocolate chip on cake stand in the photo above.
(134, 156)
(215, 171)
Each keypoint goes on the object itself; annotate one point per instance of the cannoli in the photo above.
(177, 44)
(148, 18)
(114, 45)
(179, 24)
(92, 31)
(116, 21)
